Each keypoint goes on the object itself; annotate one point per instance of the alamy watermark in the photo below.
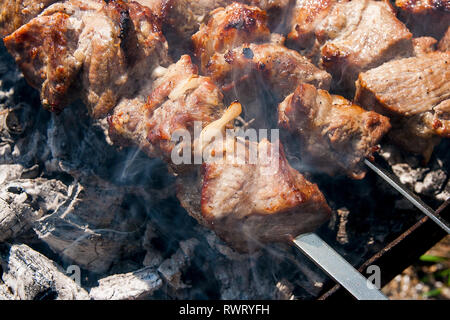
(374, 280)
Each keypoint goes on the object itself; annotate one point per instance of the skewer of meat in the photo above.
(96, 43)
(334, 134)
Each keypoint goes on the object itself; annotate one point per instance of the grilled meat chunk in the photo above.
(444, 44)
(186, 16)
(425, 17)
(424, 45)
(254, 202)
(228, 28)
(175, 101)
(415, 93)
(15, 13)
(348, 37)
(280, 68)
(90, 49)
(333, 135)
(159, 7)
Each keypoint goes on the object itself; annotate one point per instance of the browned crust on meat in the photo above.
(230, 27)
(423, 6)
(41, 49)
(15, 13)
(282, 68)
(104, 69)
(294, 205)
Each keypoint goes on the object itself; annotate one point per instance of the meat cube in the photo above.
(15, 13)
(255, 202)
(425, 17)
(228, 28)
(278, 12)
(90, 49)
(415, 93)
(334, 135)
(348, 37)
(175, 101)
(186, 16)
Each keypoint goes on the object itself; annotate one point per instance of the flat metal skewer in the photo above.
(337, 267)
(415, 200)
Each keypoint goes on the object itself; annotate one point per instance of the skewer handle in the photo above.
(337, 267)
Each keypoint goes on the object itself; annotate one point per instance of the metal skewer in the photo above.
(415, 200)
(337, 267)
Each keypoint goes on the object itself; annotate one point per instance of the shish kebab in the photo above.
(335, 134)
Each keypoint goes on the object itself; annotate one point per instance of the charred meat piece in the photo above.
(281, 69)
(425, 17)
(159, 7)
(259, 201)
(444, 44)
(415, 93)
(186, 16)
(15, 13)
(278, 12)
(333, 135)
(228, 28)
(89, 49)
(348, 37)
(175, 101)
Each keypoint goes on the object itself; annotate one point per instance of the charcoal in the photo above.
(28, 275)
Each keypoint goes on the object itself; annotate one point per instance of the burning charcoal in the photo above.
(342, 236)
(28, 275)
(334, 134)
(284, 290)
(92, 228)
(333, 32)
(134, 285)
(407, 174)
(23, 202)
(153, 258)
(171, 269)
(445, 194)
(5, 293)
